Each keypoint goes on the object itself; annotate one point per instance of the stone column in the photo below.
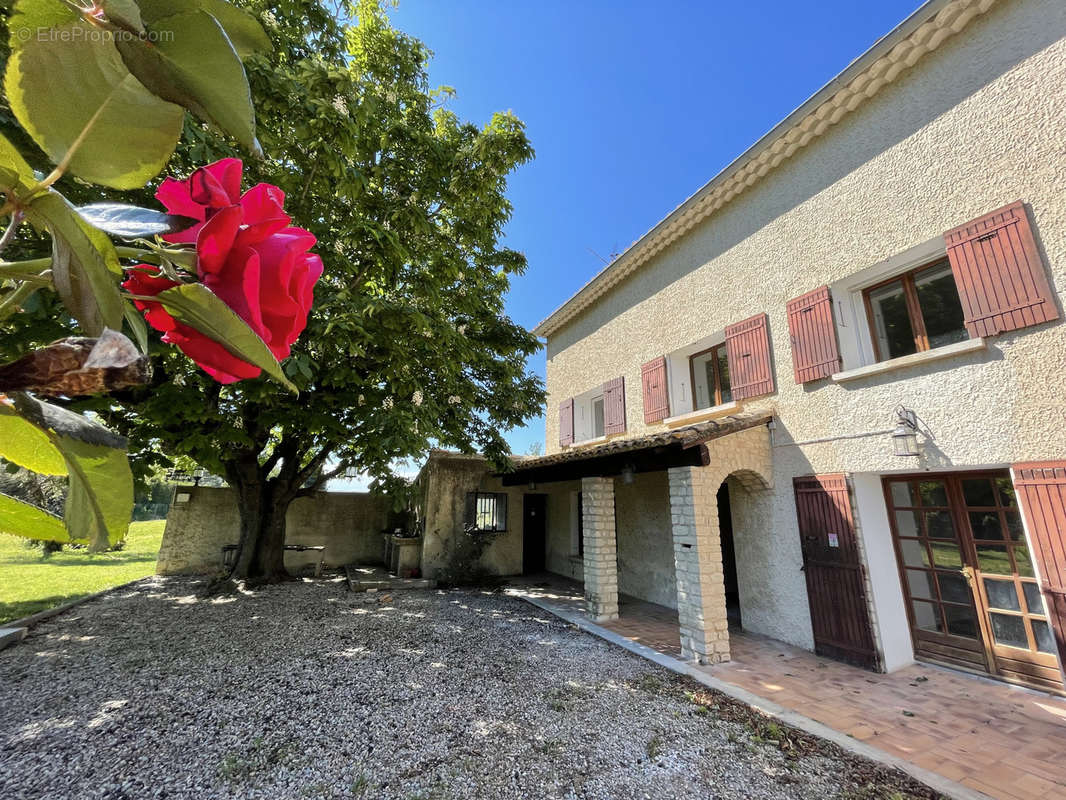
(698, 564)
(601, 550)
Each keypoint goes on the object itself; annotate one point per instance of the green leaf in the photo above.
(190, 61)
(123, 13)
(137, 326)
(100, 490)
(244, 32)
(100, 495)
(197, 306)
(29, 522)
(85, 266)
(23, 443)
(71, 86)
(132, 222)
(11, 159)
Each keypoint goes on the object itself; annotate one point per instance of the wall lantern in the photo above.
(628, 473)
(905, 434)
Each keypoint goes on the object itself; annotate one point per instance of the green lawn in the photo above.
(30, 582)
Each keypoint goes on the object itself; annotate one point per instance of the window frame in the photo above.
(717, 392)
(914, 309)
(471, 526)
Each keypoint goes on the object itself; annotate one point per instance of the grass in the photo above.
(31, 582)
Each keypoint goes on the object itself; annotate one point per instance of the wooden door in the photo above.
(835, 579)
(534, 533)
(968, 577)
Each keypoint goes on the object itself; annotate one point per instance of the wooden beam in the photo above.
(653, 459)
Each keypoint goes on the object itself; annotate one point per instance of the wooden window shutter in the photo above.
(614, 406)
(1002, 281)
(813, 336)
(748, 349)
(656, 394)
(566, 422)
(1041, 491)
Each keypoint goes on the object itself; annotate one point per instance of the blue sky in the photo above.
(630, 108)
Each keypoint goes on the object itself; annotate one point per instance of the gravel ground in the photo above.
(305, 690)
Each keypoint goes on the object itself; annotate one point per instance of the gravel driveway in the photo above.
(308, 691)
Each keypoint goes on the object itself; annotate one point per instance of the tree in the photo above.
(408, 345)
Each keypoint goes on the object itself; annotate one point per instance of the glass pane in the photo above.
(921, 584)
(1034, 601)
(914, 554)
(993, 558)
(1014, 526)
(1009, 630)
(979, 492)
(1023, 562)
(938, 299)
(903, 494)
(1042, 633)
(1006, 491)
(933, 493)
(985, 525)
(961, 621)
(953, 587)
(938, 525)
(597, 417)
(907, 523)
(723, 374)
(892, 322)
(945, 555)
(1002, 594)
(926, 615)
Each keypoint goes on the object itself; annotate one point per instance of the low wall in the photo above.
(349, 524)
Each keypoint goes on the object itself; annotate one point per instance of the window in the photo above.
(919, 310)
(577, 526)
(597, 417)
(709, 370)
(485, 512)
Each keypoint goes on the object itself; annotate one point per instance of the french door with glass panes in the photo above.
(968, 578)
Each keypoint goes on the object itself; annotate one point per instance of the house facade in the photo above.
(824, 399)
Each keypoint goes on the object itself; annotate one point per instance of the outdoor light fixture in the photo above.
(627, 473)
(905, 434)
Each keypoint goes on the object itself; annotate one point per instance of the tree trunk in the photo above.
(262, 505)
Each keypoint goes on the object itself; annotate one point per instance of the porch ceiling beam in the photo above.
(653, 459)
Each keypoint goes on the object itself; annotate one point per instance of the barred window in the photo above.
(485, 511)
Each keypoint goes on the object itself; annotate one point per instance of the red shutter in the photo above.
(1002, 281)
(566, 422)
(614, 406)
(748, 348)
(1042, 496)
(656, 395)
(813, 336)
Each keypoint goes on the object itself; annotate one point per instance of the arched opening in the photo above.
(729, 558)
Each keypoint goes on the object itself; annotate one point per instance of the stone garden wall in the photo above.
(349, 524)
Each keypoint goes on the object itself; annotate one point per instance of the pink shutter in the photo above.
(614, 406)
(1002, 281)
(566, 422)
(656, 395)
(748, 348)
(813, 336)
(1041, 490)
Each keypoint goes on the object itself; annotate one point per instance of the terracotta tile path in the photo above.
(1004, 741)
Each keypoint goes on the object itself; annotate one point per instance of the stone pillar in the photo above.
(601, 549)
(698, 564)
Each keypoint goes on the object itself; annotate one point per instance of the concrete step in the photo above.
(374, 578)
(9, 636)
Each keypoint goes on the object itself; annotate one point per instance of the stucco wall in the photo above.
(645, 539)
(562, 556)
(349, 524)
(445, 481)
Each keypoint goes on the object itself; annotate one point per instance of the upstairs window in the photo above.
(919, 310)
(597, 417)
(485, 512)
(709, 371)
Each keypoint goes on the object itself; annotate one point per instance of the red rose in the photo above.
(246, 254)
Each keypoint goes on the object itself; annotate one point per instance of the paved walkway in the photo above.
(1004, 741)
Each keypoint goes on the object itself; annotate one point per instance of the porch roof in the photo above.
(680, 447)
